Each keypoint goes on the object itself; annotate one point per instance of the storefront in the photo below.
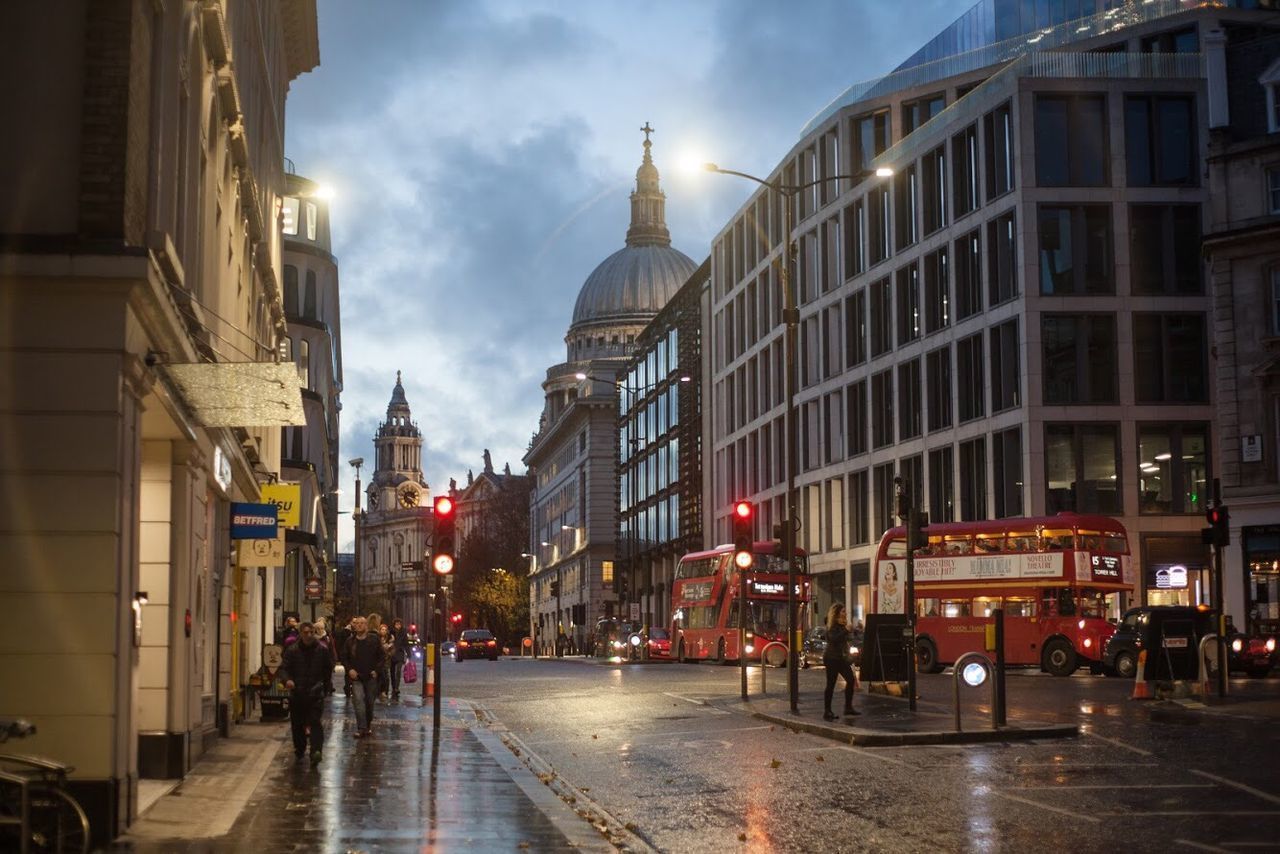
(1176, 570)
(1261, 547)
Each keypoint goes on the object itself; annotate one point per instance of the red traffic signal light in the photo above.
(743, 534)
(442, 548)
(1219, 519)
(457, 618)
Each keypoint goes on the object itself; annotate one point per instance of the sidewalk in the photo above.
(887, 721)
(401, 790)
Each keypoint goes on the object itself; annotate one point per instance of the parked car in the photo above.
(1252, 655)
(476, 643)
(815, 646)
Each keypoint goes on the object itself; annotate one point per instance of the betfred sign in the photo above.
(253, 521)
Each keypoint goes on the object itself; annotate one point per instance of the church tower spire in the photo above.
(648, 203)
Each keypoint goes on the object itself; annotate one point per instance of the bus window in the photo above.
(1057, 540)
(1019, 606)
(1022, 542)
(1093, 603)
(896, 548)
(1115, 543)
(933, 547)
(988, 543)
(984, 605)
(1090, 541)
(927, 608)
(955, 607)
(960, 545)
(1066, 603)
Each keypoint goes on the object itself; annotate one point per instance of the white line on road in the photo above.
(1200, 846)
(1030, 802)
(1272, 799)
(695, 701)
(1087, 765)
(1122, 786)
(1147, 813)
(1137, 750)
(862, 751)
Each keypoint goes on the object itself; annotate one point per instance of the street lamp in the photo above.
(791, 321)
(355, 519)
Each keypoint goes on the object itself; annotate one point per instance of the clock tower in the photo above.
(396, 526)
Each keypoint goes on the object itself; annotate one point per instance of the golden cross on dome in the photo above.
(646, 130)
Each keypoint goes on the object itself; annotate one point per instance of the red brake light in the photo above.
(491, 643)
(462, 643)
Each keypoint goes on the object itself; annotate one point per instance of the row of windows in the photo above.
(947, 285)
(308, 308)
(1082, 474)
(646, 426)
(662, 360)
(649, 475)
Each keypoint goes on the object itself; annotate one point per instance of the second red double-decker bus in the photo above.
(1058, 579)
(705, 606)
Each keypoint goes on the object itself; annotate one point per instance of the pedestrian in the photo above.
(306, 670)
(324, 639)
(399, 654)
(835, 660)
(340, 652)
(388, 647)
(363, 660)
(290, 633)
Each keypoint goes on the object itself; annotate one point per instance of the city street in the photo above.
(664, 756)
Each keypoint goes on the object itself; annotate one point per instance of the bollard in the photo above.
(1202, 683)
(988, 675)
(429, 684)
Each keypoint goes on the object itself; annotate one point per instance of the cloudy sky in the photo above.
(482, 154)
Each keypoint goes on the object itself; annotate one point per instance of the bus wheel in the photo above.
(927, 656)
(1126, 665)
(1059, 658)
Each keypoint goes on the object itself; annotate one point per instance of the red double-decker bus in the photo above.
(1058, 579)
(706, 612)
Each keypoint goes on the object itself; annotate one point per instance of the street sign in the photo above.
(635, 612)
(314, 590)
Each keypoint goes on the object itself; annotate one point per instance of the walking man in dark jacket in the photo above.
(363, 658)
(398, 655)
(307, 668)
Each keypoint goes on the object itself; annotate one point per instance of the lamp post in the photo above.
(356, 516)
(791, 321)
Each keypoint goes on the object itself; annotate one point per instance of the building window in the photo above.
(1005, 374)
(878, 234)
(1002, 258)
(290, 290)
(1078, 358)
(881, 317)
(908, 304)
(1275, 300)
(938, 371)
(289, 216)
(855, 239)
(906, 195)
(968, 275)
(1159, 140)
(870, 137)
(1082, 468)
(1173, 468)
(941, 486)
(885, 493)
(855, 329)
(973, 480)
(859, 508)
(309, 297)
(964, 171)
(933, 189)
(304, 363)
(1006, 460)
(1071, 141)
(1075, 250)
(1178, 41)
(1169, 358)
(969, 377)
(1164, 255)
(937, 291)
(882, 409)
(909, 404)
(1273, 190)
(998, 129)
(919, 111)
(855, 401)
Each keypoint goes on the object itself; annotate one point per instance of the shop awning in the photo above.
(240, 394)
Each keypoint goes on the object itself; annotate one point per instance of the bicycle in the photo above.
(34, 803)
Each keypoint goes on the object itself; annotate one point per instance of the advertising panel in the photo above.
(287, 497)
(253, 521)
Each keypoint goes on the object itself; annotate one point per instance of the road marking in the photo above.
(1087, 765)
(1146, 813)
(1200, 846)
(1137, 750)
(858, 750)
(1030, 802)
(1271, 799)
(703, 703)
(1121, 786)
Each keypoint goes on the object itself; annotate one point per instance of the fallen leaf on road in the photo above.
(775, 763)
(820, 759)
(593, 735)
(742, 837)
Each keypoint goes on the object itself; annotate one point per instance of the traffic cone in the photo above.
(1141, 690)
(431, 681)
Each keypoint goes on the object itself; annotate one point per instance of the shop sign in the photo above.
(287, 497)
(221, 468)
(1171, 577)
(314, 590)
(253, 521)
(262, 553)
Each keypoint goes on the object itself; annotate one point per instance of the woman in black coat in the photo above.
(835, 660)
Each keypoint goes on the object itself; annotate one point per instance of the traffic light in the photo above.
(916, 521)
(784, 536)
(1219, 531)
(456, 618)
(442, 551)
(743, 534)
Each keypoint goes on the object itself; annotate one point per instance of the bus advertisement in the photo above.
(706, 612)
(1063, 581)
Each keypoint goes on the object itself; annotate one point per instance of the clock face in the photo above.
(408, 497)
(373, 500)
